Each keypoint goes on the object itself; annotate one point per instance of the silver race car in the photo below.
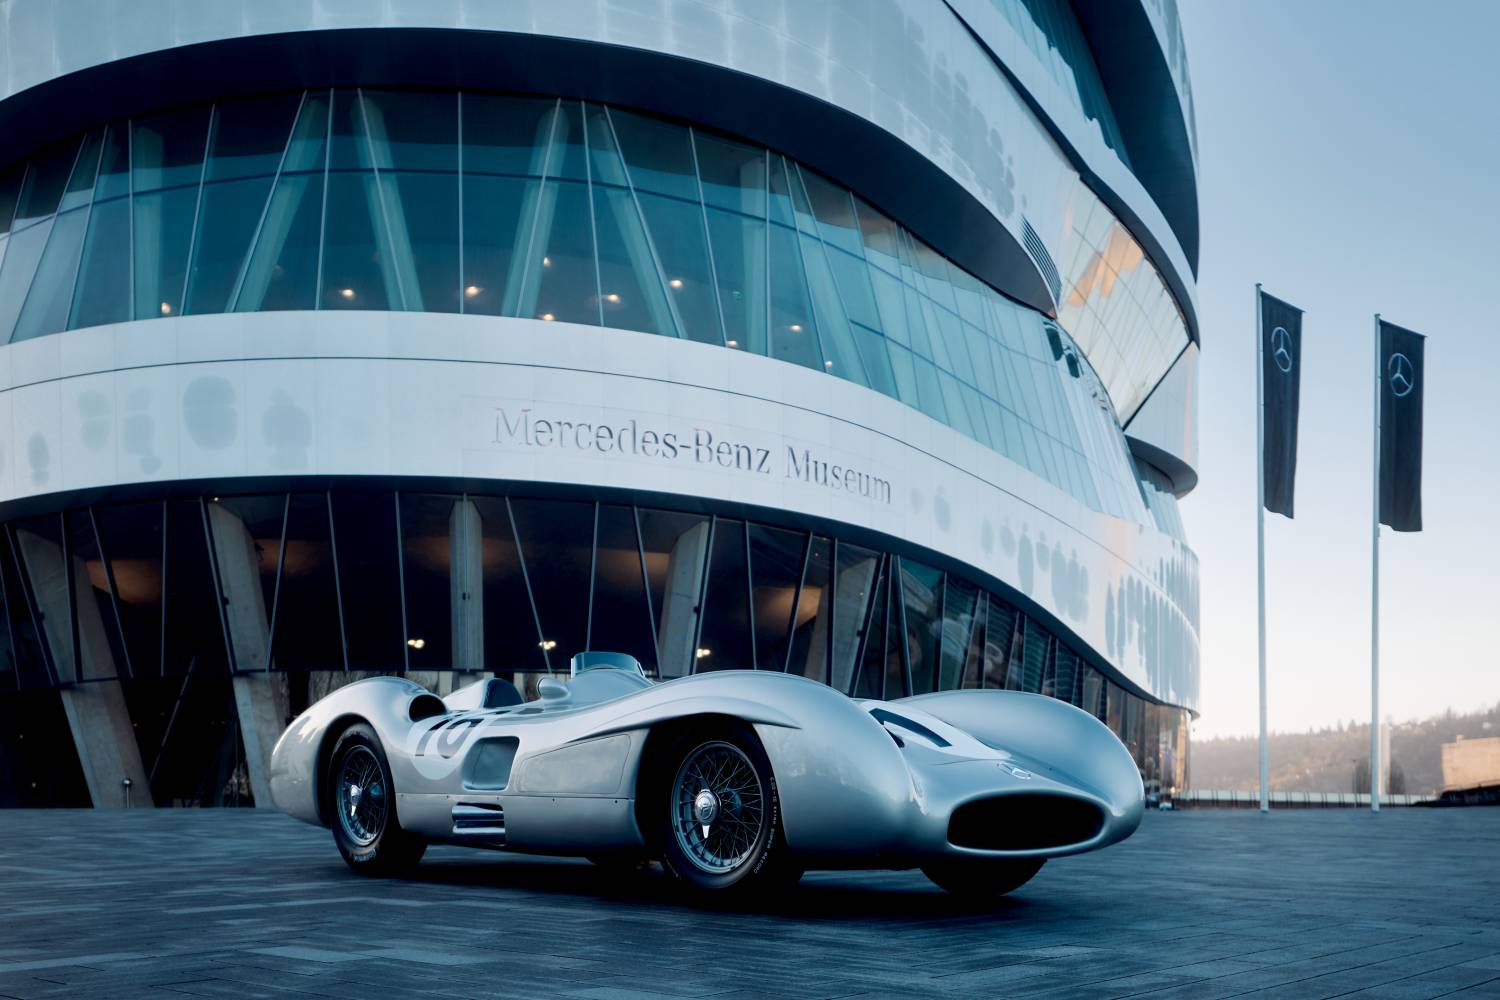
(733, 779)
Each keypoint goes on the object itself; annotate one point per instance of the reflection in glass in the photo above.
(512, 641)
(621, 616)
(775, 571)
(432, 542)
(558, 538)
(922, 589)
(811, 632)
(726, 639)
(676, 548)
(854, 587)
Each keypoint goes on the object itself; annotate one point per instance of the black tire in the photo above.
(360, 803)
(743, 849)
(982, 878)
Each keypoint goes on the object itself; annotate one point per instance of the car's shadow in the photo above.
(864, 895)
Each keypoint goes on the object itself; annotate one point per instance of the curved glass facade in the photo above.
(556, 210)
(175, 597)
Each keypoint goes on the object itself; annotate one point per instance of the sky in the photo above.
(1349, 159)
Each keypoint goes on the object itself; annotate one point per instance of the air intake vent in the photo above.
(1043, 259)
(479, 821)
(1024, 823)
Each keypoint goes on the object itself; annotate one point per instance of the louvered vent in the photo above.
(1043, 259)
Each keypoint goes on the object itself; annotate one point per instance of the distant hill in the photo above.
(1325, 760)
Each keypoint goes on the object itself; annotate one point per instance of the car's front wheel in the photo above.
(982, 877)
(360, 803)
(719, 822)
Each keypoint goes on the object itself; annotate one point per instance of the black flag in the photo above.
(1281, 377)
(1401, 371)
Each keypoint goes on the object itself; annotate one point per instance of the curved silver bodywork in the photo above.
(861, 783)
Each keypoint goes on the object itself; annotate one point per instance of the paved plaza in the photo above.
(235, 903)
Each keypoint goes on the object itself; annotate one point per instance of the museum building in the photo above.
(849, 338)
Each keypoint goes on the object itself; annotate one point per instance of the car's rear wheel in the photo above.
(719, 821)
(979, 878)
(360, 802)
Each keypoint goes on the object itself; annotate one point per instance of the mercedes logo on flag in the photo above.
(1401, 374)
(1281, 348)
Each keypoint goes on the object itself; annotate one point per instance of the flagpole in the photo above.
(1260, 530)
(1375, 597)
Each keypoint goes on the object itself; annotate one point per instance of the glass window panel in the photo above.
(167, 150)
(567, 158)
(413, 129)
(841, 357)
(32, 670)
(114, 164)
(953, 402)
(878, 649)
(557, 538)
(903, 367)
(605, 163)
(48, 174)
(810, 630)
(739, 254)
(877, 363)
(676, 546)
(563, 288)
(22, 254)
(102, 293)
(10, 191)
(282, 272)
(801, 206)
(80, 189)
(793, 334)
(933, 269)
(879, 235)
(308, 634)
(194, 631)
(658, 154)
(163, 231)
(1000, 668)
(1034, 656)
(369, 579)
(349, 141)
(929, 391)
(358, 272)
(516, 645)
(621, 618)
(973, 669)
(733, 174)
(725, 641)
(100, 647)
(308, 148)
(497, 225)
(1068, 679)
(46, 308)
(854, 588)
(853, 276)
(834, 209)
(677, 234)
(897, 683)
(960, 621)
(776, 571)
(249, 136)
(422, 213)
(630, 291)
(227, 220)
(890, 299)
(428, 551)
(779, 193)
(922, 589)
(132, 539)
(506, 135)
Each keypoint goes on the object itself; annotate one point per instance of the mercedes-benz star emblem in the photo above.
(1281, 348)
(1402, 375)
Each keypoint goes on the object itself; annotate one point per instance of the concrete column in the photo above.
(466, 584)
(97, 714)
(261, 699)
(681, 602)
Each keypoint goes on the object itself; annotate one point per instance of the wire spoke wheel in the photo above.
(363, 803)
(718, 808)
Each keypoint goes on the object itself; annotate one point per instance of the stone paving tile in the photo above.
(1196, 905)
